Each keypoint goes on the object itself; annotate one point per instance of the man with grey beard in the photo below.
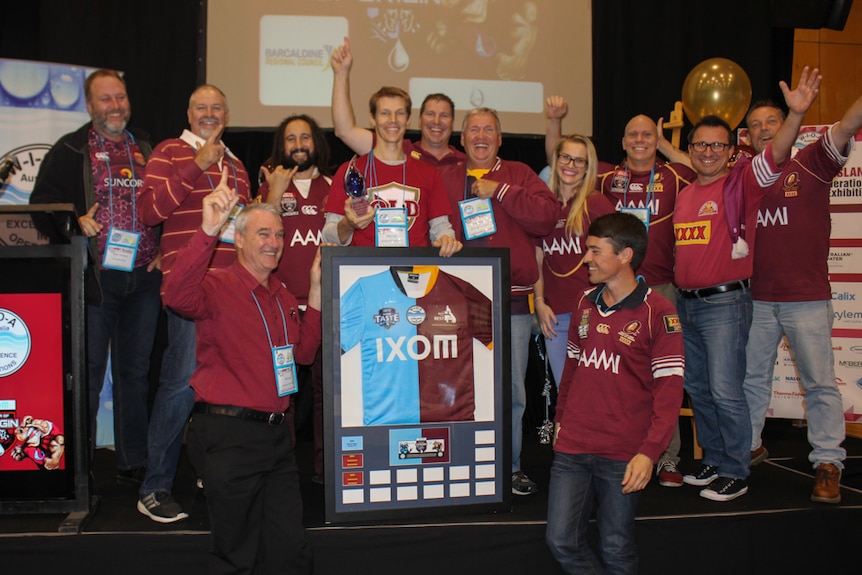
(180, 174)
(99, 169)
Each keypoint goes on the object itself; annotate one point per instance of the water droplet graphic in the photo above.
(399, 60)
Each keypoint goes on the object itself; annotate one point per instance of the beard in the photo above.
(103, 125)
(289, 162)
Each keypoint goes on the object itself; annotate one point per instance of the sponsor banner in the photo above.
(39, 102)
(847, 305)
(845, 260)
(788, 395)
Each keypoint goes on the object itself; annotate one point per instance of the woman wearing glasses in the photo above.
(562, 273)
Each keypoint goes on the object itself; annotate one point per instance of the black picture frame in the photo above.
(381, 466)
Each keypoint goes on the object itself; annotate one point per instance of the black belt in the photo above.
(712, 290)
(276, 418)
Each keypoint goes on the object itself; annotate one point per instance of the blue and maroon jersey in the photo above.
(416, 327)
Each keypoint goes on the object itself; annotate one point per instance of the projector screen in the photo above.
(271, 57)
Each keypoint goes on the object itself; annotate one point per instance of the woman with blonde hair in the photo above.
(562, 275)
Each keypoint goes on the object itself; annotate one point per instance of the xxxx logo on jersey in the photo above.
(692, 232)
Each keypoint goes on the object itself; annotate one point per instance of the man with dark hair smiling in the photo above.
(798, 304)
(297, 183)
(618, 404)
(714, 229)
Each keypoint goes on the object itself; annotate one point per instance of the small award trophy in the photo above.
(354, 186)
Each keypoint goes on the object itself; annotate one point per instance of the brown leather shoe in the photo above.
(827, 484)
(758, 456)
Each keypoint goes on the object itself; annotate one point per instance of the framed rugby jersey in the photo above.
(417, 388)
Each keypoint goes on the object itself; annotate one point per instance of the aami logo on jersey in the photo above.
(387, 317)
(775, 218)
(653, 205)
(416, 348)
(445, 316)
(415, 315)
(563, 246)
(310, 237)
(602, 361)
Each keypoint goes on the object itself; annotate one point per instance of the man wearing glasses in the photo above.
(714, 225)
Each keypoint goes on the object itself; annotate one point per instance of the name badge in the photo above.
(477, 218)
(228, 230)
(121, 250)
(640, 213)
(286, 381)
(391, 228)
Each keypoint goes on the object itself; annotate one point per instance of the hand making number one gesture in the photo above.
(218, 205)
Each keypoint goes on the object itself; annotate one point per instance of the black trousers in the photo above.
(251, 483)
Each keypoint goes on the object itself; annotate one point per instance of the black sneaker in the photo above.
(523, 485)
(702, 476)
(725, 489)
(161, 507)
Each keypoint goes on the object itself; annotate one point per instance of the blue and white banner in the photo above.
(39, 102)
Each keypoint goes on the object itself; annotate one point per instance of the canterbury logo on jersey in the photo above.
(417, 348)
(692, 233)
(601, 361)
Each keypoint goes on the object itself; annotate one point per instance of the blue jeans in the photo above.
(172, 406)
(125, 323)
(808, 326)
(715, 331)
(577, 481)
(556, 347)
(520, 346)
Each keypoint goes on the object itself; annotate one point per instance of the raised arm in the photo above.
(666, 149)
(798, 101)
(851, 123)
(556, 108)
(357, 139)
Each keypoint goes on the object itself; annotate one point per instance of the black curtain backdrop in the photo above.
(642, 52)
(155, 42)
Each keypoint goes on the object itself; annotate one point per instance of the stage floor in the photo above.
(674, 524)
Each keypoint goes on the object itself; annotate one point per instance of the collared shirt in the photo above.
(233, 351)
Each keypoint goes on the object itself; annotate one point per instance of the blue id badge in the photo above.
(477, 218)
(121, 249)
(391, 228)
(640, 213)
(228, 230)
(285, 370)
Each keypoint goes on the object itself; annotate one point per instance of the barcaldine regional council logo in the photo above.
(14, 342)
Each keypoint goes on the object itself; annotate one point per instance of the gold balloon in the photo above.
(716, 86)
